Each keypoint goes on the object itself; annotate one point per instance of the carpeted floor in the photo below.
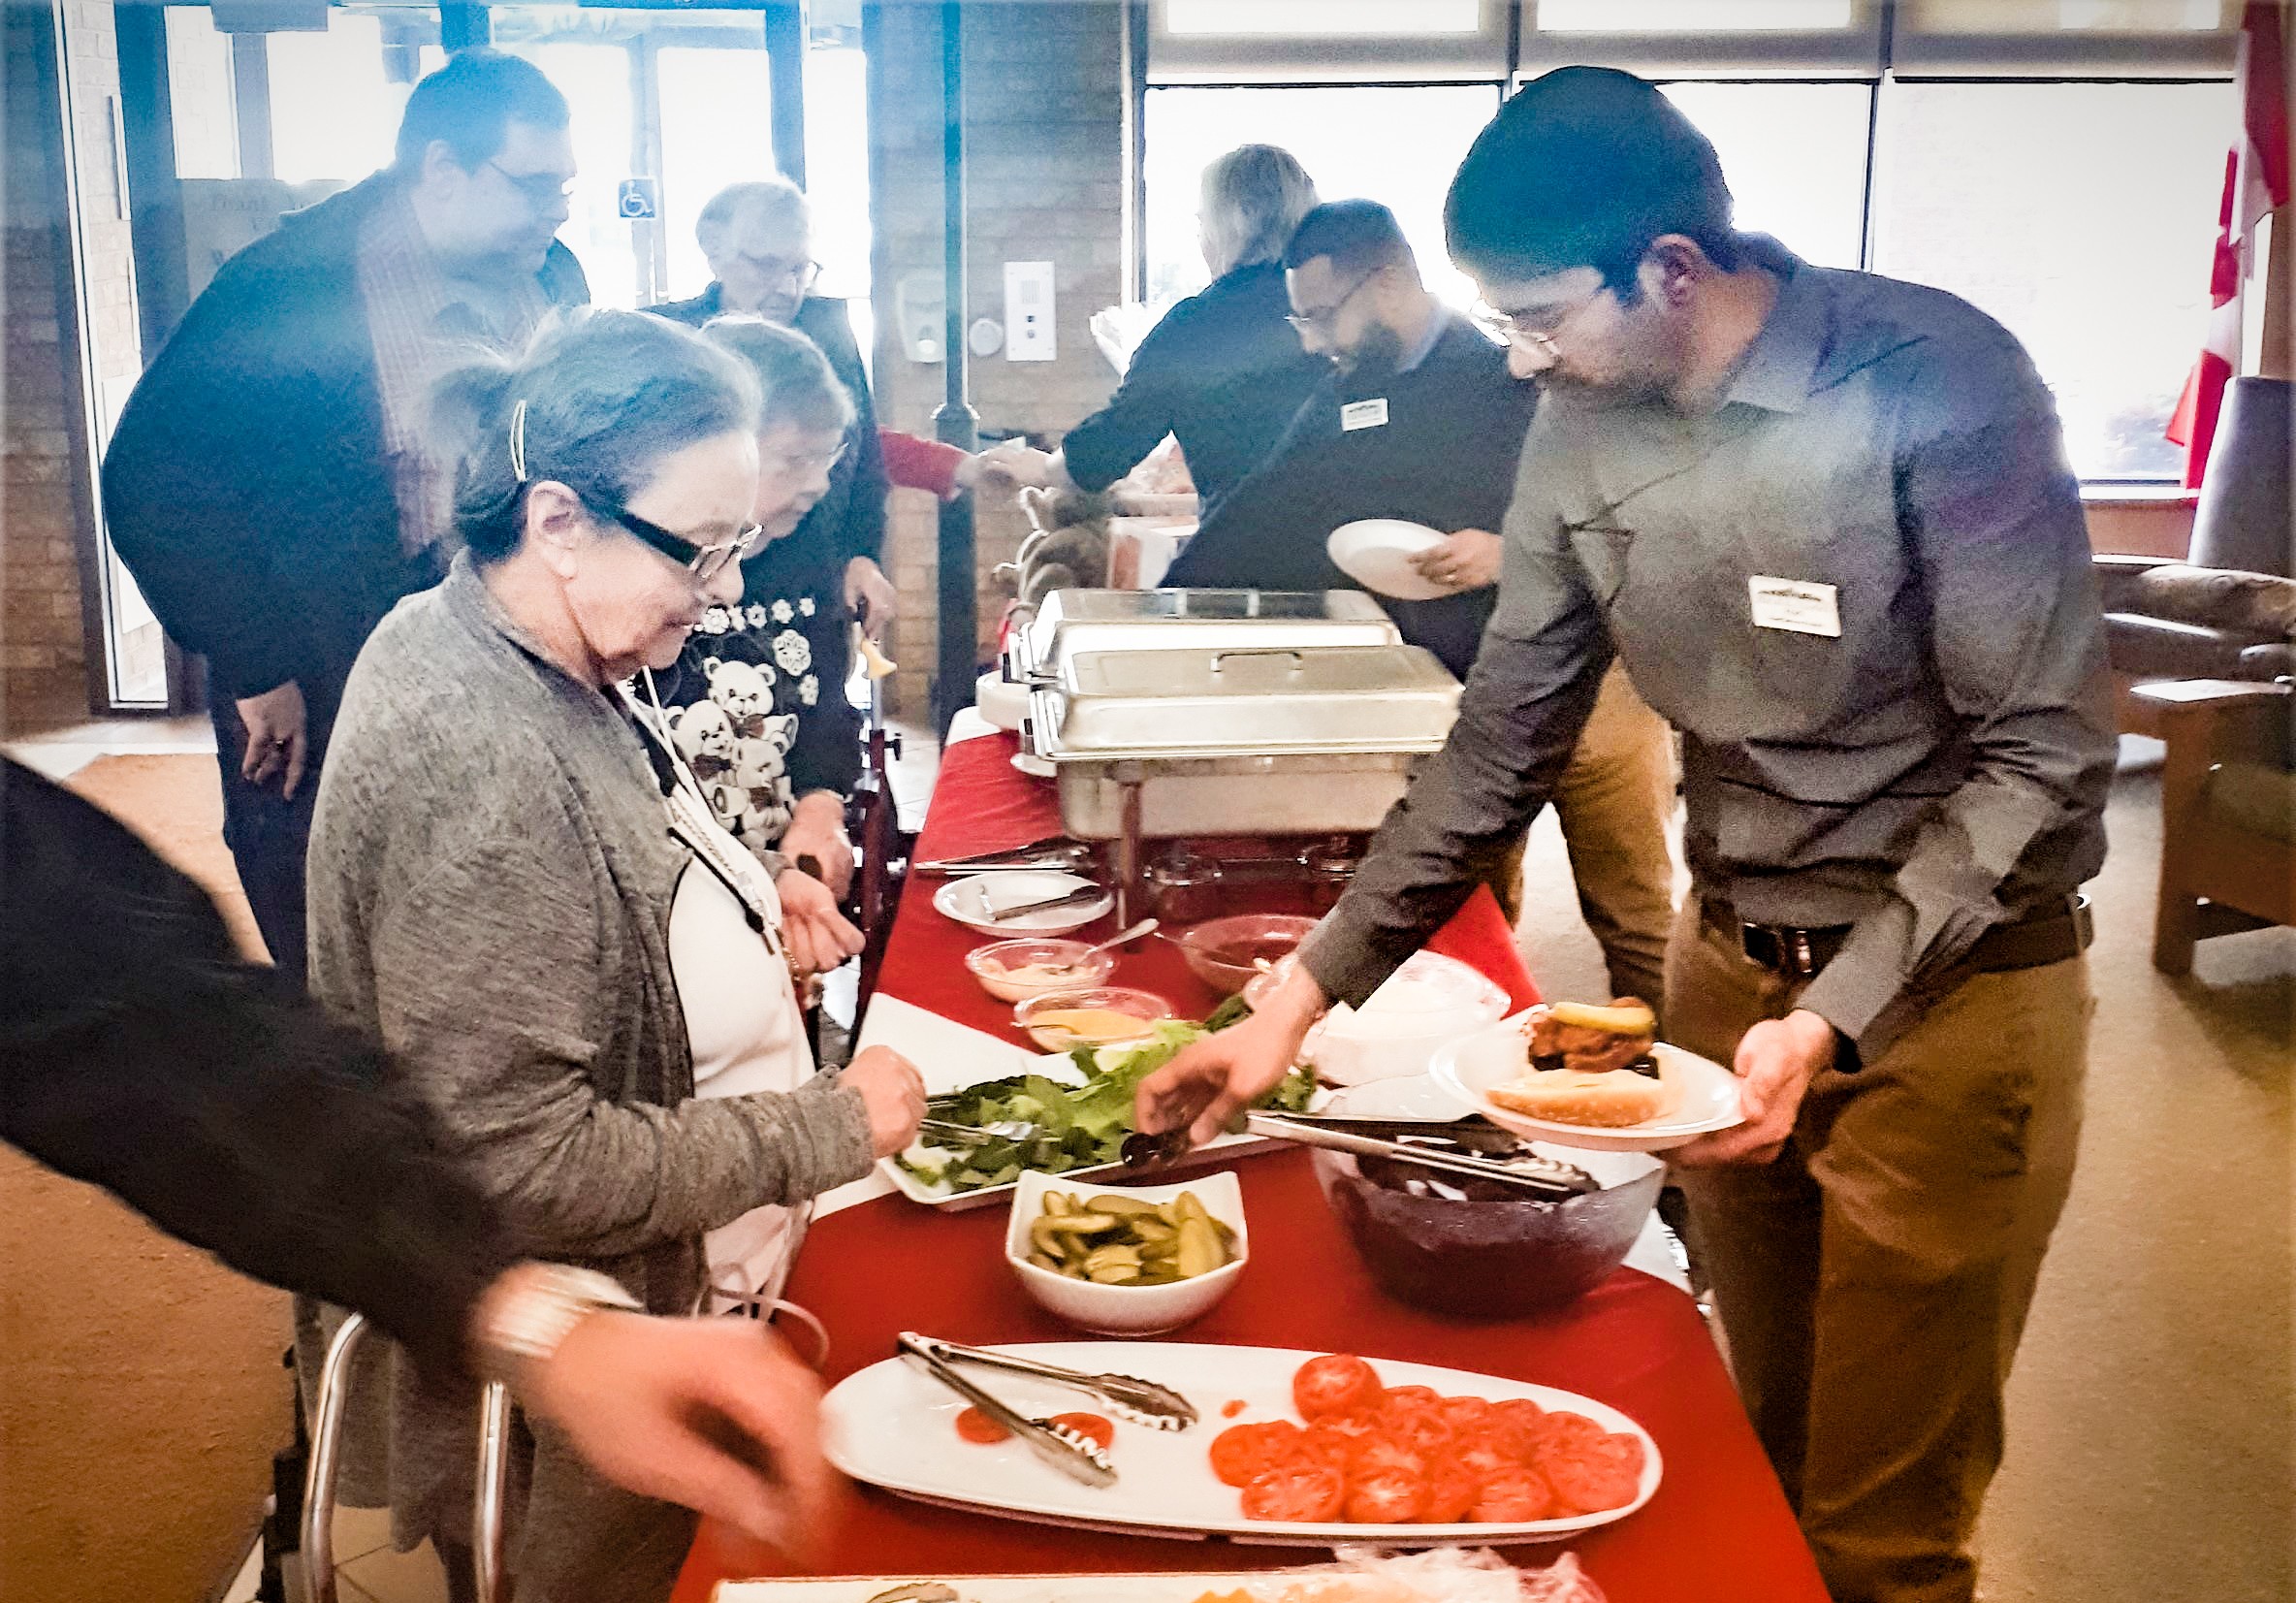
(2150, 1423)
(142, 1397)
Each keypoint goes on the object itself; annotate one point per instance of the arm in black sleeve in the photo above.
(862, 532)
(826, 755)
(194, 485)
(139, 1052)
(1110, 443)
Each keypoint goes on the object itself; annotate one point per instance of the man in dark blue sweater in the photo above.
(1419, 419)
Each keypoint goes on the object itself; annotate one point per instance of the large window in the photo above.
(2055, 162)
(1381, 143)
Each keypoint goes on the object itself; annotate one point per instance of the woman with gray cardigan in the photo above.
(514, 886)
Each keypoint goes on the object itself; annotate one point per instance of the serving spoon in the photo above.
(1122, 938)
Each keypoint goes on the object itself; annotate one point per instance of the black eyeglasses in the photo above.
(703, 562)
(1323, 317)
(540, 189)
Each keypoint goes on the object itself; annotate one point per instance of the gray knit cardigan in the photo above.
(490, 875)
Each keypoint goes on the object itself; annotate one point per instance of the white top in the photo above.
(745, 1030)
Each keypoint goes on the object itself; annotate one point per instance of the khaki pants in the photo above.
(1613, 801)
(1873, 1281)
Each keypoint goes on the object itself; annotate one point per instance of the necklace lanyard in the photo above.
(695, 827)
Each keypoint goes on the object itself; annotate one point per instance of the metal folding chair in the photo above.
(488, 1535)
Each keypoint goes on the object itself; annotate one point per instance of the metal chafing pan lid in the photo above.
(1262, 701)
(1070, 621)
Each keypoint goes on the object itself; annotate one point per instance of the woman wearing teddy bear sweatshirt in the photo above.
(757, 700)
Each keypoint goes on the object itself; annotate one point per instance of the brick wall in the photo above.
(1045, 104)
(43, 667)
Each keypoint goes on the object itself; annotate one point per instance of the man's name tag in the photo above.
(1796, 606)
(1363, 415)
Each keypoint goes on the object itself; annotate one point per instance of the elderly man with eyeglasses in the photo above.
(758, 239)
(271, 485)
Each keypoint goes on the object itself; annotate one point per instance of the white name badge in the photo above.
(1363, 415)
(1796, 606)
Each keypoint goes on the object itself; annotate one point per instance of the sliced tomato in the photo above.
(1336, 1383)
(1385, 1495)
(1591, 1476)
(977, 1426)
(1102, 1431)
(1233, 1406)
(1514, 1496)
(1468, 1416)
(1485, 1461)
(1423, 1430)
(1516, 1429)
(1414, 1396)
(1242, 1453)
(1299, 1493)
(1452, 1490)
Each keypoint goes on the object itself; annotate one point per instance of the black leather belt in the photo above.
(2047, 934)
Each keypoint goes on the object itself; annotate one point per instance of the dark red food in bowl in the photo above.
(1481, 1257)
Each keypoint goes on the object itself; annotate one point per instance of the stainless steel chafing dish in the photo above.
(1311, 740)
(1072, 623)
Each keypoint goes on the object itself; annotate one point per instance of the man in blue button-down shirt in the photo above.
(1825, 520)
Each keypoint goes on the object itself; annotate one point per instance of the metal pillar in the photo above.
(955, 423)
(784, 63)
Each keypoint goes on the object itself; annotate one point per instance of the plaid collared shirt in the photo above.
(424, 324)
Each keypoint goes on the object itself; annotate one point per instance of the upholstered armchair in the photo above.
(2227, 811)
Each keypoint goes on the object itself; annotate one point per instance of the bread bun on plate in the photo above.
(1591, 1065)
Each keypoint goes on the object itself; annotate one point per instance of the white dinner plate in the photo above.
(893, 1426)
(1376, 553)
(1057, 1067)
(1470, 1066)
(964, 899)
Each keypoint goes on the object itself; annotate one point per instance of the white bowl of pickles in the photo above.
(1127, 1261)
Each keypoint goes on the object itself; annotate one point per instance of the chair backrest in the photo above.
(2242, 520)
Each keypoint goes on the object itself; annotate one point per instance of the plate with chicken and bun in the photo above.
(1587, 1075)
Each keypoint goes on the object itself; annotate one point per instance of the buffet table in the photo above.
(1717, 1532)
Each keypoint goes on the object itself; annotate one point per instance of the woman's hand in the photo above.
(872, 599)
(894, 1093)
(816, 934)
(818, 830)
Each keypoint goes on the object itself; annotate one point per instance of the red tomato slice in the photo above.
(1468, 1416)
(1243, 1453)
(1485, 1462)
(1514, 1496)
(1299, 1493)
(1233, 1406)
(1453, 1491)
(1101, 1431)
(1423, 1430)
(1591, 1476)
(977, 1426)
(1378, 1454)
(1354, 1424)
(1385, 1497)
(1516, 1427)
(1414, 1396)
(1334, 1384)
(1319, 1443)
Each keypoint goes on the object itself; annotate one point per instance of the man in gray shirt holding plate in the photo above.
(1826, 520)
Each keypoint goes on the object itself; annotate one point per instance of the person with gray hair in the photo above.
(1222, 371)
(516, 887)
(758, 237)
(756, 700)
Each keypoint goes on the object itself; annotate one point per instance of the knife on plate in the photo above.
(1074, 1455)
(1081, 896)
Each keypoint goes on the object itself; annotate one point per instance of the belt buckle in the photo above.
(1780, 948)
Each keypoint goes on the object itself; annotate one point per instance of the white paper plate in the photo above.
(1376, 553)
(1061, 1067)
(963, 899)
(893, 1426)
(1470, 1066)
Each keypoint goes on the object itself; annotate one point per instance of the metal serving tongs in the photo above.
(1074, 1454)
(1052, 851)
(1543, 1179)
(1142, 1401)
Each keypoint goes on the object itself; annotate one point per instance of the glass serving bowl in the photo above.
(1226, 954)
(1097, 1016)
(1014, 971)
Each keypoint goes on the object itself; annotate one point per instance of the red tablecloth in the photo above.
(1717, 1532)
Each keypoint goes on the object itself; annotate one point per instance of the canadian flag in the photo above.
(2256, 182)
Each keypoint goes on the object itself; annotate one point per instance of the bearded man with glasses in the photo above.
(271, 485)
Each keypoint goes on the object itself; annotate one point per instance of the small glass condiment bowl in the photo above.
(1145, 1007)
(1228, 953)
(993, 965)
